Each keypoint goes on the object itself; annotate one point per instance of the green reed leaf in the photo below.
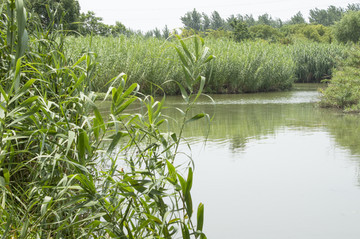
(200, 217)
(116, 138)
(195, 117)
(172, 172)
(185, 232)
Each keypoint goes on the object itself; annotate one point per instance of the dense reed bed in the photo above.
(316, 61)
(250, 66)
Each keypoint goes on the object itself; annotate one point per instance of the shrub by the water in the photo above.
(343, 91)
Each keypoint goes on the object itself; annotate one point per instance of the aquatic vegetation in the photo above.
(343, 91)
(68, 171)
(316, 61)
(249, 66)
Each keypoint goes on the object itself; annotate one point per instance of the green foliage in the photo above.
(192, 20)
(89, 24)
(315, 33)
(343, 91)
(67, 170)
(348, 29)
(315, 61)
(240, 30)
(266, 19)
(297, 19)
(250, 67)
(265, 32)
(327, 16)
(56, 13)
(149, 66)
(216, 21)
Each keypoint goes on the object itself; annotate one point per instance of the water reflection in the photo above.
(239, 118)
(275, 166)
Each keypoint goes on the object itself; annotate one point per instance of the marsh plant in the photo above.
(66, 170)
(248, 66)
(344, 87)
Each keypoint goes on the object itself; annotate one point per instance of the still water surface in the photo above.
(275, 166)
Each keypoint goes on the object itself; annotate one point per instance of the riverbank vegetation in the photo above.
(253, 55)
(343, 91)
(251, 66)
(344, 88)
(66, 170)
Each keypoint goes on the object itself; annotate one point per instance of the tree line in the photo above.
(65, 15)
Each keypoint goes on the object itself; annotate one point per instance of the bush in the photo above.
(343, 91)
(315, 33)
(265, 32)
(348, 29)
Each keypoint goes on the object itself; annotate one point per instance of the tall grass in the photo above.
(249, 67)
(66, 170)
(240, 67)
(316, 61)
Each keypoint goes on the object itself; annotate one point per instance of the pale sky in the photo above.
(146, 15)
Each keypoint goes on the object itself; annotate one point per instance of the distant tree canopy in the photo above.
(240, 30)
(265, 32)
(316, 33)
(201, 22)
(57, 12)
(89, 23)
(327, 16)
(297, 19)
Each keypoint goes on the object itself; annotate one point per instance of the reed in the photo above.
(68, 171)
(316, 61)
(249, 66)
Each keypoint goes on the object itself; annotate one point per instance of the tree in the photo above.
(118, 29)
(206, 22)
(216, 21)
(265, 32)
(353, 7)
(192, 20)
(90, 23)
(157, 33)
(240, 30)
(166, 32)
(312, 32)
(348, 29)
(326, 17)
(249, 20)
(266, 19)
(57, 12)
(297, 19)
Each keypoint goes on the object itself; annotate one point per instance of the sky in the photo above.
(146, 15)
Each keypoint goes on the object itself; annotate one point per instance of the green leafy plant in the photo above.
(67, 170)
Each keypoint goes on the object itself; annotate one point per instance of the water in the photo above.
(275, 166)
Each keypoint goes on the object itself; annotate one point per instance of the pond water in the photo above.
(275, 166)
